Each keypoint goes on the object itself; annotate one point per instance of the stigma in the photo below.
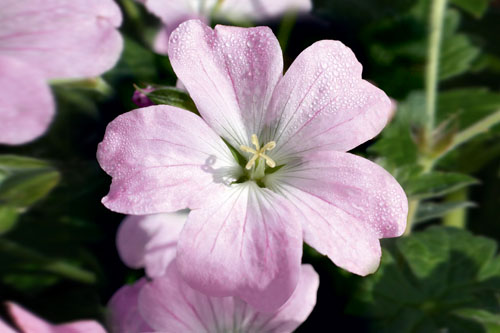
(259, 152)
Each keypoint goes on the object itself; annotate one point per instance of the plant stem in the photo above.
(470, 132)
(431, 90)
(432, 74)
(457, 217)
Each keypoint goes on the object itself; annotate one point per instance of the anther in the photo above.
(259, 152)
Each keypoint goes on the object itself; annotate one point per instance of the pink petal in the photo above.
(323, 104)
(123, 314)
(169, 304)
(162, 159)
(230, 73)
(260, 10)
(64, 39)
(26, 102)
(247, 243)
(29, 323)
(348, 208)
(161, 41)
(150, 241)
(173, 13)
(4, 328)
(295, 311)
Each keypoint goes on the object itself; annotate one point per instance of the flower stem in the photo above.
(431, 90)
(456, 218)
(432, 74)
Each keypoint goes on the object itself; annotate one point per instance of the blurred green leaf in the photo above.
(432, 210)
(490, 321)
(474, 7)
(457, 56)
(398, 141)
(436, 184)
(469, 105)
(428, 280)
(8, 218)
(25, 180)
(172, 96)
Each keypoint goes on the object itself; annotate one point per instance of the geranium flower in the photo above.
(168, 304)
(49, 39)
(174, 12)
(264, 168)
(29, 323)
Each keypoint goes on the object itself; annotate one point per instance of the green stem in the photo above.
(470, 132)
(431, 90)
(432, 75)
(457, 217)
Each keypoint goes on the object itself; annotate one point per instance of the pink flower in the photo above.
(168, 304)
(48, 39)
(150, 241)
(244, 234)
(174, 12)
(29, 323)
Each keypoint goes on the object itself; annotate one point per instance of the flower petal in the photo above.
(150, 241)
(28, 322)
(162, 159)
(260, 10)
(64, 39)
(230, 73)
(5, 328)
(348, 208)
(294, 312)
(169, 304)
(322, 103)
(123, 314)
(23, 119)
(247, 243)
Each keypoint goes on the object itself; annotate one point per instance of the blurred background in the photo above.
(57, 241)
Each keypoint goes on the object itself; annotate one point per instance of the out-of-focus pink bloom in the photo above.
(168, 304)
(29, 323)
(48, 39)
(140, 99)
(150, 241)
(244, 234)
(174, 12)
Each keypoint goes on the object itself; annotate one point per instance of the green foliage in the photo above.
(437, 184)
(432, 210)
(25, 180)
(172, 96)
(432, 281)
(473, 7)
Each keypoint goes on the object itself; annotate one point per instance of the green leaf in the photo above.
(25, 180)
(490, 321)
(8, 218)
(468, 105)
(476, 8)
(428, 281)
(174, 97)
(436, 184)
(431, 210)
(399, 140)
(457, 56)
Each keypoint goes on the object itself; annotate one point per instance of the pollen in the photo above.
(259, 152)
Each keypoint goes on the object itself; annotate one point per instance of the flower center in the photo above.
(259, 152)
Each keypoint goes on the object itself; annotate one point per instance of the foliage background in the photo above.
(58, 255)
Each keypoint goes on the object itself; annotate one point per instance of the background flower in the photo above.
(50, 39)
